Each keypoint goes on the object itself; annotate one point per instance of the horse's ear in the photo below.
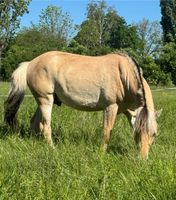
(158, 113)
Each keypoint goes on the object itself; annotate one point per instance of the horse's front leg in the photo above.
(109, 118)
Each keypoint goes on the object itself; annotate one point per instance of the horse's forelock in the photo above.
(145, 121)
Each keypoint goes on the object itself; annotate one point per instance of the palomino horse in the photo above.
(112, 83)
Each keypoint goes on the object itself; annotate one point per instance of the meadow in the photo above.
(77, 169)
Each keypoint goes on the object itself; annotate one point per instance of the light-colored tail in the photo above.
(16, 93)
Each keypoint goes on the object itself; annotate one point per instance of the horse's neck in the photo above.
(135, 89)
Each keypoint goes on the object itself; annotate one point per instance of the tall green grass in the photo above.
(77, 168)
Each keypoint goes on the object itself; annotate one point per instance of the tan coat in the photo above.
(112, 83)
(83, 82)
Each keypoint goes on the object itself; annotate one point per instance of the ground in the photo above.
(77, 168)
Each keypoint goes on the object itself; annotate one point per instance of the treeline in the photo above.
(102, 32)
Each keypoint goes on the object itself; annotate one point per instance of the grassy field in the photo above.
(77, 169)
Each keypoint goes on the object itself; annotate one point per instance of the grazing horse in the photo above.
(112, 83)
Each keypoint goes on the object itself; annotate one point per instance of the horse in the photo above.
(111, 83)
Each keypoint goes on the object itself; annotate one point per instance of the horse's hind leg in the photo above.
(36, 120)
(109, 119)
(45, 106)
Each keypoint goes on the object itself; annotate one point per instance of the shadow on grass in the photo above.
(5, 131)
(21, 131)
(118, 149)
(117, 146)
(76, 137)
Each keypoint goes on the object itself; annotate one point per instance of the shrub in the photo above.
(167, 59)
(153, 73)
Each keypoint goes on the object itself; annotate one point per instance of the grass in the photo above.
(77, 169)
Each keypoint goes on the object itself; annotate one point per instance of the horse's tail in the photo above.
(16, 93)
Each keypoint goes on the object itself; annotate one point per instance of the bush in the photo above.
(153, 73)
(75, 47)
(27, 45)
(167, 59)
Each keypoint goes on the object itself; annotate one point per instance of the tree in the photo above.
(121, 35)
(87, 35)
(75, 47)
(104, 29)
(50, 34)
(168, 20)
(150, 34)
(10, 11)
(153, 73)
(167, 59)
(55, 22)
(28, 44)
(92, 31)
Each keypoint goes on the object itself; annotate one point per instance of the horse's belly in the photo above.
(88, 91)
(84, 102)
(83, 99)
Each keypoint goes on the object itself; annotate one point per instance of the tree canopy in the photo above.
(168, 20)
(10, 11)
(103, 31)
(104, 28)
(150, 34)
(56, 23)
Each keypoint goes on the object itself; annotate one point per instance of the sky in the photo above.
(131, 10)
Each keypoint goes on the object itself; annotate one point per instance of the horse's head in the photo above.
(145, 129)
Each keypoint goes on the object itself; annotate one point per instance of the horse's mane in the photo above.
(145, 119)
(137, 71)
(136, 67)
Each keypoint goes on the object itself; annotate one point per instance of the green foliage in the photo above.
(92, 32)
(51, 33)
(167, 60)
(102, 32)
(77, 168)
(153, 73)
(87, 36)
(168, 21)
(75, 47)
(104, 28)
(55, 22)
(28, 44)
(9, 19)
(122, 35)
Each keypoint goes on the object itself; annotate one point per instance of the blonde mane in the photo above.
(145, 117)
